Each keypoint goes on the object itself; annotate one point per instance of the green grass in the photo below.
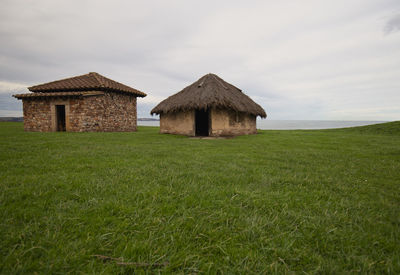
(389, 128)
(325, 201)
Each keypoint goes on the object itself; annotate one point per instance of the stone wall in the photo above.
(181, 123)
(111, 112)
(37, 117)
(231, 123)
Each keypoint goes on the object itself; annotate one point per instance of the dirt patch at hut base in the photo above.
(225, 137)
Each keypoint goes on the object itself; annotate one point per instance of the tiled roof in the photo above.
(58, 94)
(90, 81)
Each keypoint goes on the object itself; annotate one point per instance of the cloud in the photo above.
(392, 25)
(320, 60)
(10, 106)
(12, 87)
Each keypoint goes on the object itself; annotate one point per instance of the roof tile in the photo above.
(90, 81)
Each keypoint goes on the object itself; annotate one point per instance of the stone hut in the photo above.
(209, 107)
(85, 103)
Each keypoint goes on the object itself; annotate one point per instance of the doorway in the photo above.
(202, 118)
(60, 116)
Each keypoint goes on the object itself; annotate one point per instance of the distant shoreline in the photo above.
(294, 124)
(147, 119)
(262, 124)
(11, 119)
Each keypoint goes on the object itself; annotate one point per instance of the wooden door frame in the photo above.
(53, 111)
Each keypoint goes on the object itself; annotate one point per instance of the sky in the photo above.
(310, 59)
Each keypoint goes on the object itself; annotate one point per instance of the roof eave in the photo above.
(57, 94)
(135, 93)
(157, 110)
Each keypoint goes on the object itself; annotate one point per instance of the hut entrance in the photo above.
(60, 116)
(202, 122)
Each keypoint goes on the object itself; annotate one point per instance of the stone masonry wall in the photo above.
(111, 112)
(37, 116)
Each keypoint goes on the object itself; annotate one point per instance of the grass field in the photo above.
(318, 201)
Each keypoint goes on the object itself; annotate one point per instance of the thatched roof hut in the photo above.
(209, 106)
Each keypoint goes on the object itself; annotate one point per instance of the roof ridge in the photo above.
(222, 84)
(98, 77)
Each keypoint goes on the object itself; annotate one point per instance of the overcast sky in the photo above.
(334, 60)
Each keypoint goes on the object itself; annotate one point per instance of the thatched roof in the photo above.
(86, 82)
(209, 91)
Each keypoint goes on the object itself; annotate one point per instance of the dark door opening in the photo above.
(60, 115)
(202, 122)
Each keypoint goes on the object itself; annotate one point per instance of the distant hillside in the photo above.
(11, 119)
(388, 128)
